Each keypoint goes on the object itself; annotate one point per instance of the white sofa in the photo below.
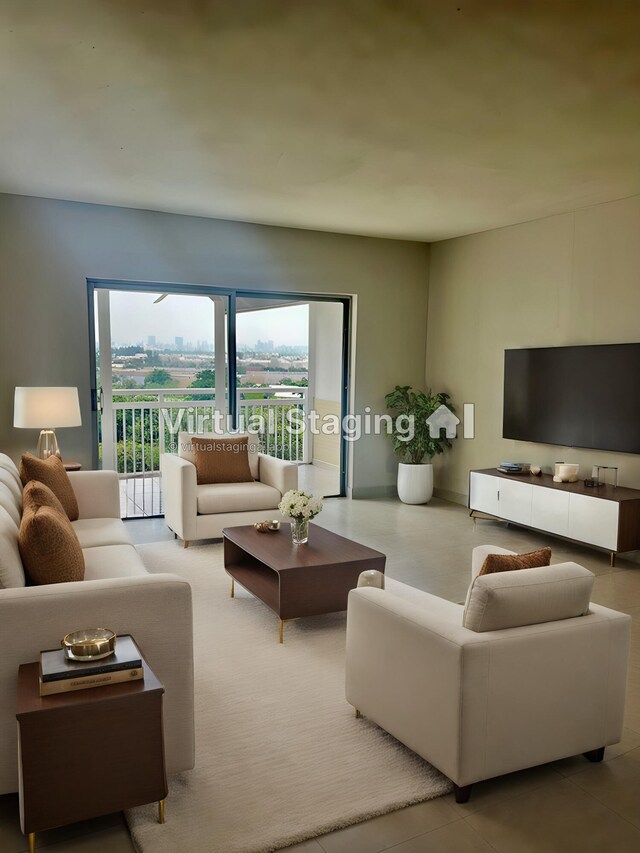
(195, 511)
(481, 703)
(117, 592)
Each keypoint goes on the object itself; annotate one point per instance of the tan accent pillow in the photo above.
(49, 547)
(38, 494)
(510, 562)
(187, 451)
(222, 460)
(51, 473)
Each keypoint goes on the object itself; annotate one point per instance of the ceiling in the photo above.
(417, 119)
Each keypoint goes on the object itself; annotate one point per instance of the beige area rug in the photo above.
(280, 756)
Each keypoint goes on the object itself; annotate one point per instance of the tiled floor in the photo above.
(569, 805)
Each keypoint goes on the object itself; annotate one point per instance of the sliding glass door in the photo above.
(161, 367)
(290, 381)
(172, 358)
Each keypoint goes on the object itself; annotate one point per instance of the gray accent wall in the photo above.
(559, 281)
(49, 248)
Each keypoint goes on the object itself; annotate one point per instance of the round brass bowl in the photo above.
(274, 524)
(89, 644)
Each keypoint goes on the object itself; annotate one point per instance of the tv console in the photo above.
(604, 517)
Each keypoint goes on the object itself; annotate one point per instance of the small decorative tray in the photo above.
(89, 644)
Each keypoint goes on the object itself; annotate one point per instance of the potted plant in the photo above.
(414, 446)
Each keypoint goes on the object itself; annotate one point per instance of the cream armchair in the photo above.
(201, 512)
(538, 674)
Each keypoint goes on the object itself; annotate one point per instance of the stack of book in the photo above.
(514, 467)
(59, 674)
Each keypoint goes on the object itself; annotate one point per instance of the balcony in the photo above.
(146, 423)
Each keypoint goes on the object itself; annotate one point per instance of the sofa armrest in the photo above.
(97, 493)
(180, 496)
(279, 473)
(479, 555)
(154, 609)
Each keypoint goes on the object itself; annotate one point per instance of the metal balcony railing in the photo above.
(145, 423)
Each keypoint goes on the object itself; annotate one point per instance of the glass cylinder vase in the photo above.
(299, 530)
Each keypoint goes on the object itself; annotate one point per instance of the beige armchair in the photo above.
(538, 673)
(195, 511)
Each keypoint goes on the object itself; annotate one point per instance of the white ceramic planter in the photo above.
(415, 483)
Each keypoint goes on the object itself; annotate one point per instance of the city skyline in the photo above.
(136, 317)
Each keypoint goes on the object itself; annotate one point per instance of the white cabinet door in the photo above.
(593, 520)
(550, 510)
(483, 493)
(514, 502)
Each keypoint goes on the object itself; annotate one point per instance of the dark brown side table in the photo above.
(72, 466)
(88, 753)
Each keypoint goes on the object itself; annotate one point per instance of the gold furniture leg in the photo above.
(233, 587)
(356, 713)
(160, 811)
(32, 842)
(281, 630)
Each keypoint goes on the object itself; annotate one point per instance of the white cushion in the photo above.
(93, 532)
(186, 451)
(112, 561)
(528, 597)
(9, 480)
(11, 571)
(7, 463)
(236, 497)
(9, 504)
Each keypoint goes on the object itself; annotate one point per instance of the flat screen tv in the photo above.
(587, 396)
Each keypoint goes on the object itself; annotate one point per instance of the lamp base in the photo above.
(47, 444)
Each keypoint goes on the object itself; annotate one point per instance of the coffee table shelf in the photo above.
(297, 580)
(259, 580)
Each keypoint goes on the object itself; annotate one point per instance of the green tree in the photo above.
(158, 378)
(204, 379)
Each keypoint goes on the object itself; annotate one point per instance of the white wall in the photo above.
(563, 280)
(49, 248)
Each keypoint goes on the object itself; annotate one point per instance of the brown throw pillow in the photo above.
(51, 473)
(511, 562)
(37, 494)
(222, 460)
(49, 547)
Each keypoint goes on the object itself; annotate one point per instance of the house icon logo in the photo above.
(443, 419)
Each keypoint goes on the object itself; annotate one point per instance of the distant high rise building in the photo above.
(264, 346)
(179, 341)
(151, 340)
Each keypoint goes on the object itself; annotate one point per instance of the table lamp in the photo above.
(46, 409)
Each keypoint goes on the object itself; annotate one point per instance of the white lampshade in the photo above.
(39, 408)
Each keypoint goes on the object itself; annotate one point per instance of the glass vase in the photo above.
(299, 530)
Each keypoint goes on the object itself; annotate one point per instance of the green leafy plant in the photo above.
(417, 405)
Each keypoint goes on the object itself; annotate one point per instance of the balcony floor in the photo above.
(141, 496)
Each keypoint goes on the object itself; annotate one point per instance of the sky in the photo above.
(134, 317)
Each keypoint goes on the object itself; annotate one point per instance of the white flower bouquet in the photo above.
(300, 508)
(298, 504)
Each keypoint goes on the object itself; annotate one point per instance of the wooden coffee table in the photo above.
(297, 580)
